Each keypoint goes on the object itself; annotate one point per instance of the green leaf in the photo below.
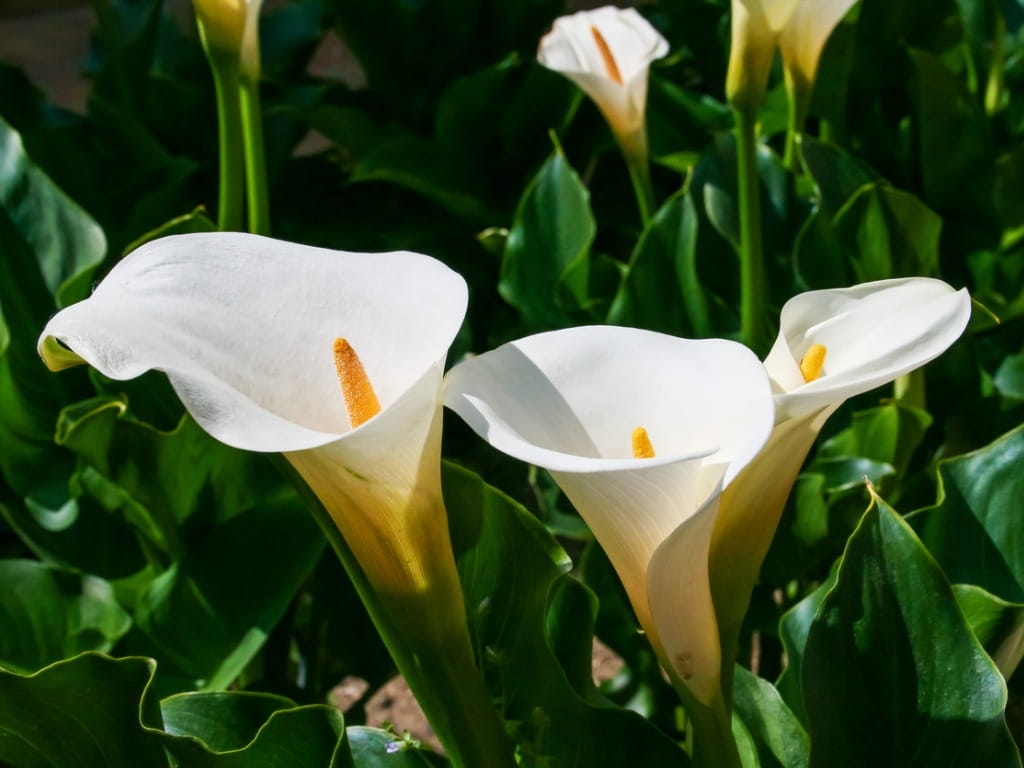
(648, 296)
(779, 737)
(252, 730)
(888, 233)
(974, 530)
(890, 655)
(50, 614)
(837, 174)
(374, 748)
(533, 625)
(549, 242)
(81, 713)
(1009, 379)
(998, 625)
(229, 538)
(794, 627)
(188, 223)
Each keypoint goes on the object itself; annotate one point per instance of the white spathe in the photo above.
(607, 52)
(873, 333)
(569, 400)
(804, 37)
(799, 28)
(244, 327)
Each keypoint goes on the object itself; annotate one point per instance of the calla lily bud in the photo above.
(231, 27)
(833, 344)
(756, 27)
(607, 52)
(802, 41)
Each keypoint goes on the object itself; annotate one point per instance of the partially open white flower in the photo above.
(833, 344)
(570, 401)
(245, 328)
(607, 53)
(799, 28)
(802, 41)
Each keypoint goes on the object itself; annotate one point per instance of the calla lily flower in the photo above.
(335, 360)
(243, 326)
(833, 344)
(232, 27)
(607, 52)
(799, 28)
(570, 401)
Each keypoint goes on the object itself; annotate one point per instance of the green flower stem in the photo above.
(714, 745)
(909, 388)
(255, 157)
(795, 117)
(429, 641)
(994, 86)
(229, 140)
(752, 313)
(634, 150)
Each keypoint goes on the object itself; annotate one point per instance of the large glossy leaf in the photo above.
(974, 531)
(548, 246)
(889, 655)
(998, 625)
(86, 712)
(229, 539)
(49, 615)
(251, 730)
(779, 737)
(533, 626)
(661, 290)
(49, 246)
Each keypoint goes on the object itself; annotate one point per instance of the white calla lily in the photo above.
(869, 334)
(335, 360)
(799, 28)
(607, 52)
(243, 326)
(801, 43)
(569, 401)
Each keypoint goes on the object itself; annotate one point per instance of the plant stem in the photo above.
(909, 388)
(255, 157)
(714, 745)
(994, 86)
(429, 641)
(229, 140)
(634, 150)
(752, 312)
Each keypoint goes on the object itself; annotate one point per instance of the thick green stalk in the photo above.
(752, 311)
(994, 86)
(255, 156)
(796, 116)
(429, 641)
(226, 81)
(909, 388)
(714, 745)
(634, 150)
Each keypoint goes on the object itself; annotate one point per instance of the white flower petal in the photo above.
(805, 34)
(244, 326)
(873, 333)
(569, 400)
(619, 85)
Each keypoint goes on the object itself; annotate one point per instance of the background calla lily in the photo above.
(800, 29)
(607, 52)
(872, 334)
(801, 43)
(569, 400)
